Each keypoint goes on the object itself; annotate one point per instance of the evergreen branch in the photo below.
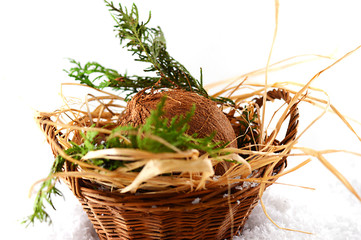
(97, 76)
(44, 195)
(149, 45)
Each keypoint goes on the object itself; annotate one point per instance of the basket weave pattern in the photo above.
(168, 216)
(217, 212)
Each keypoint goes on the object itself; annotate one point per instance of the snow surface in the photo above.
(330, 212)
(226, 39)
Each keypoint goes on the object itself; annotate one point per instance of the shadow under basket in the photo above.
(217, 212)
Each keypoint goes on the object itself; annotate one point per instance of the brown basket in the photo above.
(217, 212)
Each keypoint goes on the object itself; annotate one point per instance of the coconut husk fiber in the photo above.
(207, 119)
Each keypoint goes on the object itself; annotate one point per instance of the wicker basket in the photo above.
(217, 212)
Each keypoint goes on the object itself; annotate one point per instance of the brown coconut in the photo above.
(208, 118)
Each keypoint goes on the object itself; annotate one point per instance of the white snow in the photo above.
(196, 200)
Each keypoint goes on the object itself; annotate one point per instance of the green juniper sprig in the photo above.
(44, 195)
(248, 131)
(147, 45)
(97, 76)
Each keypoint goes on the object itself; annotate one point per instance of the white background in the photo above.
(225, 39)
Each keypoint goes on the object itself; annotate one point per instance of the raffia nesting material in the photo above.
(177, 206)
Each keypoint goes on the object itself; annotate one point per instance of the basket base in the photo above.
(221, 222)
(214, 213)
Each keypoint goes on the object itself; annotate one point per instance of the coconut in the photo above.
(207, 119)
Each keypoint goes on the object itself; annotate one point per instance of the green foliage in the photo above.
(44, 195)
(147, 45)
(248, 134)
(97, 76)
